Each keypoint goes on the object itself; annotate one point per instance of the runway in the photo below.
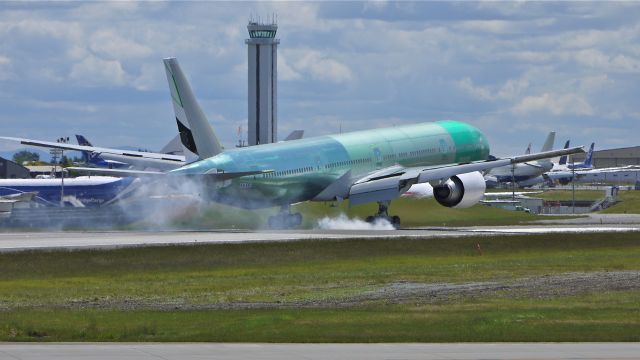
(190, 351)
(20, 241)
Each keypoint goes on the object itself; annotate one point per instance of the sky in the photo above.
(516, 70)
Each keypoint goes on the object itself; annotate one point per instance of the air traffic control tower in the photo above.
(263, 83)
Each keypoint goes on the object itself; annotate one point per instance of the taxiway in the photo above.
(188, 351)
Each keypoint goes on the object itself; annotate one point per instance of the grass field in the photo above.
(304, 291)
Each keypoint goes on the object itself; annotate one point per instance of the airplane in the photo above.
(370, 166)
(95, 159)
(523, 171)
(627, 175)
(563, 164)
(90, 191)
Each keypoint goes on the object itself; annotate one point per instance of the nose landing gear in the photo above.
(383, 214)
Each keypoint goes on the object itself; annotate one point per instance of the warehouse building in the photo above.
(613, 157)
(12, 170)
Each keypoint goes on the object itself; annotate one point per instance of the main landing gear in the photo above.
(285, 219)
(383, 213)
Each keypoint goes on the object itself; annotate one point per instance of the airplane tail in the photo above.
(173, 147)
(82, 140)
(563, 158)
(548, 143)
(196, 133)
(528, 151)
(588, 160)
(86, 156)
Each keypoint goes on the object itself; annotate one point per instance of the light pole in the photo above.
(573, 186)
(63, 141)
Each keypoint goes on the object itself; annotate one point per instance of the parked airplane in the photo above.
(620, 175)
(523, 171)
(90, 191)
(367, 166)
(564, 165)
(92, 158)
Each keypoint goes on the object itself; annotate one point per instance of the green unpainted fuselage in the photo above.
(304, 168)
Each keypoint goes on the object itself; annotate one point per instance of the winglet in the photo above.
(196, 133)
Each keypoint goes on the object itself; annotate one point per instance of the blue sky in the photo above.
(514, 69)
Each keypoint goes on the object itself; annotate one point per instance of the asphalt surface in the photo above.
(190, 351)
(20, 241)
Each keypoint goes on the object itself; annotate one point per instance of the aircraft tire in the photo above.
(395, 221)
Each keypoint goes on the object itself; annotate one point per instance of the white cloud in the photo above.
(599, 60)
(5, 68)
(285, 72)
(321, 67)
(493, 26)
(555, 104)
(150, 77)
(95, 71)
(509, 90)
(110, 44)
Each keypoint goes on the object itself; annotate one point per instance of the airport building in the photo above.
(12, 170)
(45, 170)
(613, 157)
(263, 82)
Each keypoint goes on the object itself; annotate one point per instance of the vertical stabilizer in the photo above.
(173, 147)
(86, 156)
(196, 134)
(548, 143)
(563, 158)
(82, 140)
(528, 150)
(588, 160)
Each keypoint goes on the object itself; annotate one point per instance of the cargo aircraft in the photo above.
(376, 165)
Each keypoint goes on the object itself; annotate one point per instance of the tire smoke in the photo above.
(342, 222)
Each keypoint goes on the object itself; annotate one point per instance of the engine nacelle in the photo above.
(461, 191)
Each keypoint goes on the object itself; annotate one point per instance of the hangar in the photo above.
(613, 157)
(12, 170)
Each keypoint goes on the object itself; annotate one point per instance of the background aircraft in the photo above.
(524, 171)
(89, 191)
(563, 164)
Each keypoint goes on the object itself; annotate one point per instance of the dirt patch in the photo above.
(546, 286)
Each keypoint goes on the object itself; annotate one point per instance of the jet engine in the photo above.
(460, 191)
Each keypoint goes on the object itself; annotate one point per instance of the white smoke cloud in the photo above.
(342, 222)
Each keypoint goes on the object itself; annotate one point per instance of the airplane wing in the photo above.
(388, 184)
(216, 176)
(115, 172)
(94, 149)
